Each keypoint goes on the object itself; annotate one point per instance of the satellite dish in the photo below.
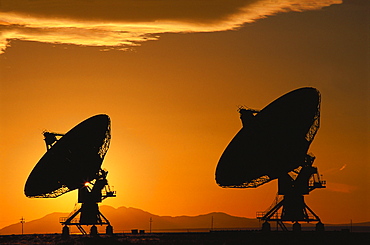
(273, 142)
(74, 162)
(73, 159)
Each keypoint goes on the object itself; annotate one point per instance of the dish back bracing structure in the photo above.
(273, 144)
(73, 161)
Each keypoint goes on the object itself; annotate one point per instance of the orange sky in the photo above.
(173, 101)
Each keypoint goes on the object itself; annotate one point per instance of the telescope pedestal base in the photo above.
(290, 213)
(89, 215)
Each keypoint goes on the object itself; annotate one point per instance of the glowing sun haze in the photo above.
(115, 23)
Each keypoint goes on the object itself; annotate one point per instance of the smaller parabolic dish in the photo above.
(271, 143)
(74, 159)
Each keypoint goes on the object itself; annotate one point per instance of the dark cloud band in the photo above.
(120, 23)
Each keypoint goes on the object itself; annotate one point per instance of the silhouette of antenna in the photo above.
(23, 220)
(150, 224)
(72, 162)
(273, 144)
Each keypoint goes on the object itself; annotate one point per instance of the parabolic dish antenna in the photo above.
(74, 162)
(273, 144)
(274, 141)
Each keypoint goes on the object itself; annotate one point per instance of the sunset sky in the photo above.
(171, 75)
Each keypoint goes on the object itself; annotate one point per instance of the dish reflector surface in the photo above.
(74, 159)
(273, 142)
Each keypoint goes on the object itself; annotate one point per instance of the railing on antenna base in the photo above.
(62, 220)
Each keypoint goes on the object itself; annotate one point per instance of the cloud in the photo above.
(338, 187)
(124, 23)
(335, 170)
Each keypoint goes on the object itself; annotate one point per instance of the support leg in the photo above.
(109, 230)
(65, 232)
(94, 231)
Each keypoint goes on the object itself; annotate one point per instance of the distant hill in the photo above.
(125, 219)
(131, 218)
(47, 224)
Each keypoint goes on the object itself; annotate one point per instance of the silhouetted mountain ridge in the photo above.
(124, 219)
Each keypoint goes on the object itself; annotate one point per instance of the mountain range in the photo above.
(125, 219)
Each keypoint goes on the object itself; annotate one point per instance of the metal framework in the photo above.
(106, 142)
(315, 124)
(88, 213)
(50, 138)
(56, 193)
(289, 204)
(252, 184)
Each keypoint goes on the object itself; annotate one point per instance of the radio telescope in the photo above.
(73, 161)
(273, 144)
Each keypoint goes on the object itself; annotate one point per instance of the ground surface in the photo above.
(230, 237)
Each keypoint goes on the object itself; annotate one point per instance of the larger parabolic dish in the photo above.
(273, 142)
(74, 159)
